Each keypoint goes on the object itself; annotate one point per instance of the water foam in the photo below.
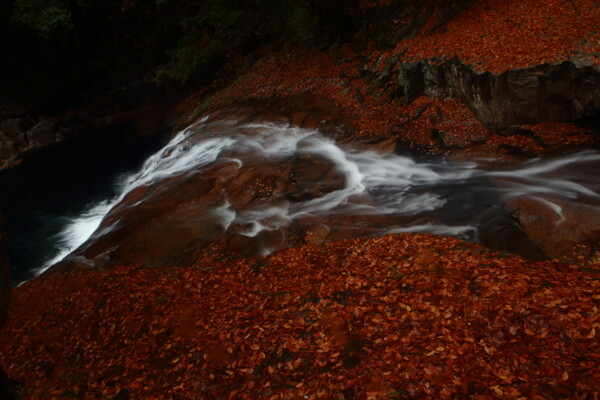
(375, 184)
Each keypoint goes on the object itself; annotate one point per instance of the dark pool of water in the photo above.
(39, 197)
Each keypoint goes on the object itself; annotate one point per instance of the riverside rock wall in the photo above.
(558, 93)
(564, 92)
(140, 108)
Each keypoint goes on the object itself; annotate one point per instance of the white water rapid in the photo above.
(374, 184)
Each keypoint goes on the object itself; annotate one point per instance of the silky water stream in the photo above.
(251, 188)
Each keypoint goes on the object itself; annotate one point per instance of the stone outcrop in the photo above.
(565, 92)
(179, 219)
(557, 93)
(567, 232)
(139, 108)
(176, 222)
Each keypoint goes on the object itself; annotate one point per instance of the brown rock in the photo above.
(458, 140)
(310, 177)
(179, 219)
(383, 145)
(316, 234)
(567, 232)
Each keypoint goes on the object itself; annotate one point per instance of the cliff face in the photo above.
(563, 92)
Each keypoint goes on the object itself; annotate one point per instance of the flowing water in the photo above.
(42, 198)
(460, 199)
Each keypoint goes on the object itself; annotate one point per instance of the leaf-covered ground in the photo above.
(500, 35)
(401, 316)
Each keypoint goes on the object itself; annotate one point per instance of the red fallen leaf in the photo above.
(217, 355)
(592, 333)
(415, 323)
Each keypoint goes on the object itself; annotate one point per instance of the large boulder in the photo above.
(275, 186)
(564, 231)
(177, 220)
(186, 216)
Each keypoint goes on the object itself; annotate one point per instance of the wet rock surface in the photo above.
(181, 219)
(567, 232)
(260, 196)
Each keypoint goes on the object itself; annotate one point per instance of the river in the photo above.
(271, 185)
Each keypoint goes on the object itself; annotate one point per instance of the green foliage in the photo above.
(63, 51)
(204, 29)
(42, 16)
(302, 22)
(231, 23)
(187, 59)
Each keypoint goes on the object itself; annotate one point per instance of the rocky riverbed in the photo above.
(223, 269)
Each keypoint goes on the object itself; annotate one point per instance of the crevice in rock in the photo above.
(563, 92)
